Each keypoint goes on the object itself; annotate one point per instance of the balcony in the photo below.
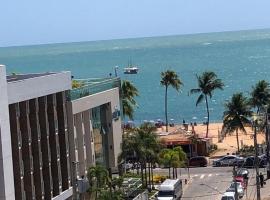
(86, 87)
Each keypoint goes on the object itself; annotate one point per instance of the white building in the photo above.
(46, 128)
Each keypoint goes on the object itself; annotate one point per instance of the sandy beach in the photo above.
(229, 143)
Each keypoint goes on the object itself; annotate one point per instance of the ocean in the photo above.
(239, 58)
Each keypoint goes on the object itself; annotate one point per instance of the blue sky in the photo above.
(26, 22)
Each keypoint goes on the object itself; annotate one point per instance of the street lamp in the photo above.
(115, 70)
(255, 120)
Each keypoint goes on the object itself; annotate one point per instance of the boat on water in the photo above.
(131, 70)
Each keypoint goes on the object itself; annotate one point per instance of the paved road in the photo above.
(205, 182)
(208, 183)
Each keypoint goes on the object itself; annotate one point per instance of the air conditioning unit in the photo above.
(83, 185)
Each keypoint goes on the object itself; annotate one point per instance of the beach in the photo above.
(229, 143)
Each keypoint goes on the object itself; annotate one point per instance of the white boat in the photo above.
(131, 70)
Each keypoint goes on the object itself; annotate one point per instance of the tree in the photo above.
(141, 145)
(236, 115)
(173, 158)
(260, 95)
(169, 78)
(207, 84)
(98, 178)
(128, 94)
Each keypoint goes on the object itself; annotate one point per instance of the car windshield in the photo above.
(165, 193)
(227, 198)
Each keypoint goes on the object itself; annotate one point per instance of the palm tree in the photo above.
(142, 144)
(98, 177)
(260, 95)
(169, 78)
(128, 94)
(173, 158)
(236, 114)
(207, 83)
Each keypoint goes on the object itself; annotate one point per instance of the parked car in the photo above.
(240, 189)
(228, 196)
(198, 161)
(250, 162)
(229, 161)
(242, 172)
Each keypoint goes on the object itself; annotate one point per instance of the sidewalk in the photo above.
(251, 192)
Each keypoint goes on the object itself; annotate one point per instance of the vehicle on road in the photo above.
(228, 196)
(228, 161)
(198, 161)
(240, 189)
(242, 172)
(241, 180)
(170, 189)
(250, 162)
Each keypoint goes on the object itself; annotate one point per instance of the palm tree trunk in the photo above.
(173, 170)
(169, 171)
(142, 175)
(176, 173)
(145, 173)
(237, 139)
(149, 175)
(166, 110)
(207, 123)
(152, 174)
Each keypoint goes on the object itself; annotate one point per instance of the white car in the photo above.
(228, 196)
(240, 189)
(228, 161)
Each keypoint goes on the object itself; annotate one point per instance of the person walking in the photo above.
(261, 179)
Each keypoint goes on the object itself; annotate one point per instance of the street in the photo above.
(211, 182)
(205, 182)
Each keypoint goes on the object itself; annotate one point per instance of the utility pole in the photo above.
(256, 162)
(267, 144)
(235, 183)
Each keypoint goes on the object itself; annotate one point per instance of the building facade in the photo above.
(51, 134)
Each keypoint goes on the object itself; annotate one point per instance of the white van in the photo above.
(170, 189)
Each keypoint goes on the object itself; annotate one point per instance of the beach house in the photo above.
(50, 133)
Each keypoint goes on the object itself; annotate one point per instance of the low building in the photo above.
(50, 134)
(191, 143)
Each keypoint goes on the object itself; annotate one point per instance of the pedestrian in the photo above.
(261, 179)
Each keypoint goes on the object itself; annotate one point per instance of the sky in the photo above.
(27, 22)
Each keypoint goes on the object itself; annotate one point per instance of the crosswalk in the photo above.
(202, 176)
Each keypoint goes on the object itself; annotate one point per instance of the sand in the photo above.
(229, 143)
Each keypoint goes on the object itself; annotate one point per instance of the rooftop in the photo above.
(19, 77)
(85, 87)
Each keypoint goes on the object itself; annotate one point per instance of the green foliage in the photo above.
(143, 146)
(169, 78)
(207, 84)
(76, 84)
(173, 158)
(128, 94)
(236, 115)
(260, 95)
(102, 186)
(247, 150)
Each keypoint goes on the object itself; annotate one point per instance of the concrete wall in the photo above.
(6, 170)
(25, 89)
(111, 98)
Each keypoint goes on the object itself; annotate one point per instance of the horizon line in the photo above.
(129, 38)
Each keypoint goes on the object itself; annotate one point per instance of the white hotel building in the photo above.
(46, 128)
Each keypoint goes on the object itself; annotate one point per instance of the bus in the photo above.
(170, 189)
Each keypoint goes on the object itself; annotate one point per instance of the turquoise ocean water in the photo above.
(239, 58)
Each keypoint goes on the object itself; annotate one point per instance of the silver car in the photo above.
(228, 161)
(240, 189)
